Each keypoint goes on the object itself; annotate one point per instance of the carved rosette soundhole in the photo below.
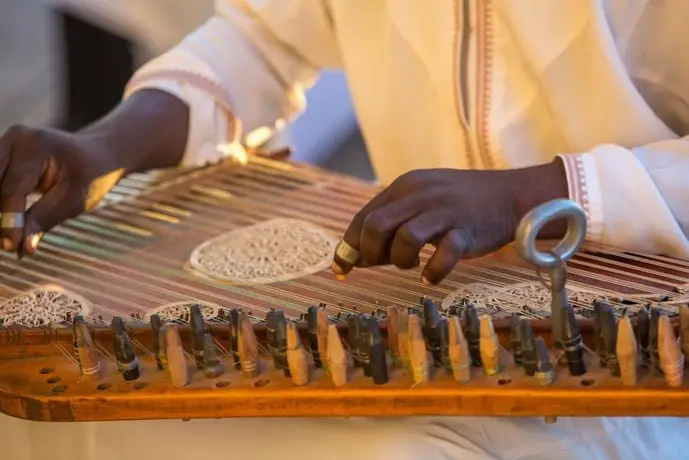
(43, 306)
(272, 251)
(178, 312)
(533, 300)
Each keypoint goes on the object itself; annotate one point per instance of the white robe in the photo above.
(446, 438)
(603, 83)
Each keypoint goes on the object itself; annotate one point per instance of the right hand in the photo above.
(59, 166)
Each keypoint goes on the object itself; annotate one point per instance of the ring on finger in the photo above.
(347, 253)
(12, 220)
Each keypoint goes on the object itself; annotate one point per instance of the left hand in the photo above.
(463, 213)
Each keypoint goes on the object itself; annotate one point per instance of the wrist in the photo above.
(146, 131)
(539, 184)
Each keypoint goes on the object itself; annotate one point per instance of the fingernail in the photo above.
(32, 242)
(425, 281)
(6, 244)
(336, 269)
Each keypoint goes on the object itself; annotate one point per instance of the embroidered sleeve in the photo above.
(584, 189)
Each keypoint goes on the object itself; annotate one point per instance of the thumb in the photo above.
(59, 203)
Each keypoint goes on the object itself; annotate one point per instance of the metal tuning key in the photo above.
(534, 221)
(565, 333)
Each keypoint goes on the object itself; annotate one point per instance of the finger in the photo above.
(6, 142)
(58, 204)
(12, 221)
(381, 225)
(449, 251)
(343, 265)
(20, 177)
(413, 235)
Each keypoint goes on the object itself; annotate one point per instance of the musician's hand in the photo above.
(72, 171)
(463, 213)
(59, 166)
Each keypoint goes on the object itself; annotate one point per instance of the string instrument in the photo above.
(535, 329)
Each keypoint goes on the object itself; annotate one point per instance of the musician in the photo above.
(511, 103)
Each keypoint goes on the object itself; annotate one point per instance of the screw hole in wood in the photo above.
(261, 383)
(103, 386)
(60, 389)
(222, 384)
(53, 380)
(587, 382)
(503, 382)
(46, 370)
(140, 385)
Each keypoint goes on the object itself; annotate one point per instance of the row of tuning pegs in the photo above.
(167, 347)
(624, 348)
(284, 346)
(420, 340)
(424, 340)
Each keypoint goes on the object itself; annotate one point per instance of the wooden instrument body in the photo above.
(38, 383)
(132, 274)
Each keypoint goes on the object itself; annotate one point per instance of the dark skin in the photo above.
(463, 213)
(147, 131)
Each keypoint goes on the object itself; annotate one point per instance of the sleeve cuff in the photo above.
(584, 189)
(214, 133)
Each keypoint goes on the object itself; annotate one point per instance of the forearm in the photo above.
(538, 184)
(147, 131)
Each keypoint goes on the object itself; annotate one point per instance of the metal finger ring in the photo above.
(532, 223)
(12, 220)
(347, 253)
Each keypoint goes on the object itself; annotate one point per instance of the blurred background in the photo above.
(64, 63)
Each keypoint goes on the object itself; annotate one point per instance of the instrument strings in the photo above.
(71, 254)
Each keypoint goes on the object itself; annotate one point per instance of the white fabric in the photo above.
(597, 81)
(601, 82)
(349, 439)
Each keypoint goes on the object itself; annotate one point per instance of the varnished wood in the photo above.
(684, 328)
(296, 357)
(28, 388)
(419, 359)
(213, 367)
(248, 347)
(393, 333)
(671, 360)
(490, 349)
(29, 395)
(460, 360)
(87, 355)
(627, 352)
(544, 367)
(337, 358)
(39, 382)
(403, 339)
(177, 367)
(323, 333)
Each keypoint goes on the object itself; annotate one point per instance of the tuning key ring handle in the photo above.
(534, 221)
